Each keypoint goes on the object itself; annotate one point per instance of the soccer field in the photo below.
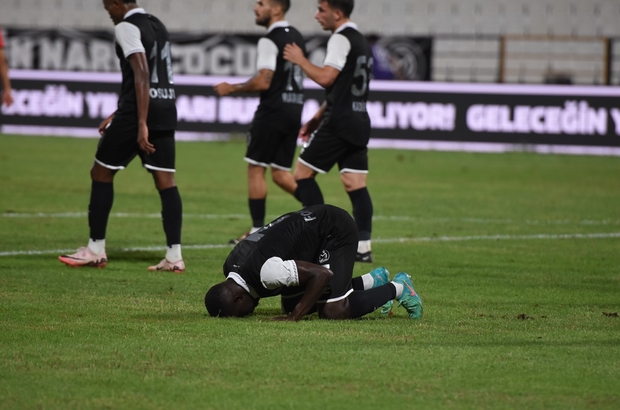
(516, 258)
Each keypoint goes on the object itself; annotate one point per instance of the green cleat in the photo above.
(409, 299)
(381, 276)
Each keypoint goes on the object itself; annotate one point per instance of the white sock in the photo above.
(399, 289)
(368, 281)
(173, 253)
(96, 246)
(363, 246)
(254, 229)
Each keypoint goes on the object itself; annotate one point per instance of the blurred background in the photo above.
(473, 75)
(514, 41)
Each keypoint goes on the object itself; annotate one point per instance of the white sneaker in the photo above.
(84, 257)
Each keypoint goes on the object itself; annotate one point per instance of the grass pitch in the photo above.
(516, 257)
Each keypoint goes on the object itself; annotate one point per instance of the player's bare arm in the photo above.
(260, 82)
(140, 68)
(323, 76)
(7, 97)
(314, 278)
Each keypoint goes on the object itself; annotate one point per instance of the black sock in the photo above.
(362, 212)
(171, 214)
(358, 283)
(101, 200)
(257, 211)
(308, 192)
(362, 302)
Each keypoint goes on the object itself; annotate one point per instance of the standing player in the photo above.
(307, 258)
(7, 98)
(342, 124)
(143, 125)
(273, 135)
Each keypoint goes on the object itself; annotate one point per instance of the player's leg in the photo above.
(284, 179)
(257, 195)
(353, 173)
(308, 191)
(283, 161)
(258, 155)
(161, 165)
(116, 148)
(318, 156)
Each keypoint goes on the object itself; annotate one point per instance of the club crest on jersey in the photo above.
(324, 256)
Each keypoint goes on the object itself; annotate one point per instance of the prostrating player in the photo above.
(307, 257)
(5, 82)
(143, 125)
(273, 135)
(339, 132)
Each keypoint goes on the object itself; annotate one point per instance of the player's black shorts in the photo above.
(118, 147)
(271, 146)
(325, 149)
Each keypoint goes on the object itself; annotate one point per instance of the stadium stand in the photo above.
(466, 32)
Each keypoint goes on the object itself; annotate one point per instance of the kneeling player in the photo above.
(307, 257)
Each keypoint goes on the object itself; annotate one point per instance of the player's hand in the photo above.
(7, 98)
(293, 53)
(223, 89)
(143, 139)
(105, 124)
(308, 128)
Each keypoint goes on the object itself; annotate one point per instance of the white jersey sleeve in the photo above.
(338, 48)
(129, 38)
(276, 273)
(267, 54)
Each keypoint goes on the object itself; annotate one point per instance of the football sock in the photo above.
(362, 212)
(308, 192)
(96, 246)
(367, 301)
(357, 283)
(363, 282)
(173, 253)
(399, 289)
(363, 246)
(171, 215)
(257, 211)
(101, 200)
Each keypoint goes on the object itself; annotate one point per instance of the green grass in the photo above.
(524, 321)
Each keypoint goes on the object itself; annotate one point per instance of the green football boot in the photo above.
(409, 299)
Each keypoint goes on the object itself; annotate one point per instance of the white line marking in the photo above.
(482, 221)
(380, 240)
(500, 237)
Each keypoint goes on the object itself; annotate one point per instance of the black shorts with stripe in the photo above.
(119, 146)
(270, 146)
(325, 149)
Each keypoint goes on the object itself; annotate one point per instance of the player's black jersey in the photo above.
(282, 103)
(162, 107)
(346, 98)
(300, 235)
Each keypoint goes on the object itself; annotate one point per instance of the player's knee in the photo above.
(101, 174)
(338, 310)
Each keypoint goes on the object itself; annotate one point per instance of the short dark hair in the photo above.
(346, 6)
(219, 301)
(285, 4)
